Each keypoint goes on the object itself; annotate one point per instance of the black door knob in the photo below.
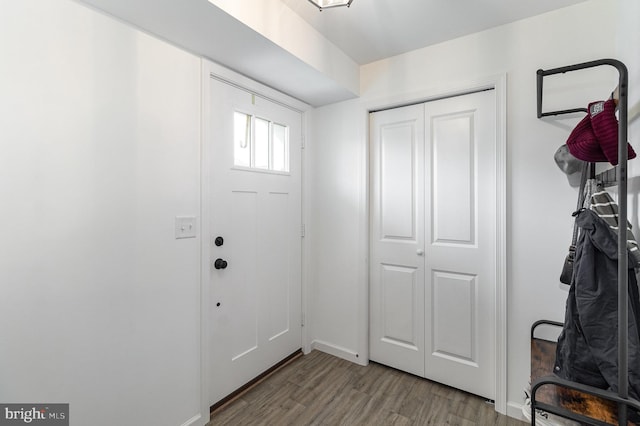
(220, 264)
(219, 241)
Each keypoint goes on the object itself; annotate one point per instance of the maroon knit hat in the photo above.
(595, 138)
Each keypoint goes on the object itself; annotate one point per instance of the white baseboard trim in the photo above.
(514, 409)
(192, 420)
(338, 351)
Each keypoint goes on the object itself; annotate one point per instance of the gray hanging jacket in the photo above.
(587, 350)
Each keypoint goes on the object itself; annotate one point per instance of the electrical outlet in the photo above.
(185, 227)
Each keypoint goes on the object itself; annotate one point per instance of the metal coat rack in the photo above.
(621, 398)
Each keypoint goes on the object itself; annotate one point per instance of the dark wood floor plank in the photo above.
(319, 389)
(433, 411)
(226, 414)
(344, 410)
(397, 420)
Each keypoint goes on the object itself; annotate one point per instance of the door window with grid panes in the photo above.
(260, 143)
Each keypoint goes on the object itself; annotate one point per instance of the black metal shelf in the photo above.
(560, 397)
(622, 397)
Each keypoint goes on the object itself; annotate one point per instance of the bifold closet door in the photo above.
(397, 238)
(433, 207)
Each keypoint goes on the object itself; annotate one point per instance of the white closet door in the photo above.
(433, 209)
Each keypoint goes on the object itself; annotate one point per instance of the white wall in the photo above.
(627, 42)
(99, 151)
(337, 235)
(539, 199)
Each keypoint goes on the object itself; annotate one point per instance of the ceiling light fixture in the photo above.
(326, 4)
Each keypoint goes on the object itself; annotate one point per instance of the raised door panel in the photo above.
(397, 181)
(399, 307)
(243, 257)
(275, 266)
(454, 317)
(453, 202)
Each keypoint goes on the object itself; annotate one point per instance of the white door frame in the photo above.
(212, 70)
(499, 84)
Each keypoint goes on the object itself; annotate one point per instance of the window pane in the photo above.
(280, 148)
(261, 160)
(242, 139)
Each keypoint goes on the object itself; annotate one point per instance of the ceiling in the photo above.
(266, 40)
(370, 30)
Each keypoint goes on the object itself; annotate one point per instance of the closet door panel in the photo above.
(460, 251)
(452, 329)
(397, 181)
(399, 306)
(453, 179)
(397, 239)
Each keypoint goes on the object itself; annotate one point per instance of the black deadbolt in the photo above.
(219, 241)
(220, 264)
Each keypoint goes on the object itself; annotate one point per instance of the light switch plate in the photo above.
(185, 227)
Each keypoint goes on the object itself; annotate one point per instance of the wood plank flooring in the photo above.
(320, 389)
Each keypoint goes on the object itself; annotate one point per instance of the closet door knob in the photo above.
(419, 252)
(220, 264)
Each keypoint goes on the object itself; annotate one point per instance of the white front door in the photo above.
(255, 224)
(433, 240)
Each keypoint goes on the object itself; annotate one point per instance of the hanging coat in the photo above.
(587, 350)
